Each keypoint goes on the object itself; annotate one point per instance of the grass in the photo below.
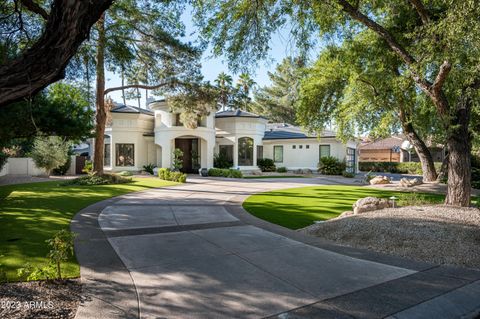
(299, 207)
(32, 213)
(273, 176)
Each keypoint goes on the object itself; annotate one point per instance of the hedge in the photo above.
(392, 167)
(266, 164)
(167, 175)
(223, 172)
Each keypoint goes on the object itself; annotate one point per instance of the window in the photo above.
(259, 152)
(307, 146)
(245, 151)
(324, 150)
(300, 146)
(294, 146)
(351, 160)
(178, 122)
(227, 152)
(106, 158)
(278, 154)
(124, 154)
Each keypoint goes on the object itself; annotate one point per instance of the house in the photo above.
(395, 149)
(136, 137)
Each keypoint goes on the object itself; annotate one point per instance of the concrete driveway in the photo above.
(191, 251)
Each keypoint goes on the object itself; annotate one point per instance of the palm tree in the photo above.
(244, 84)
(224, 85)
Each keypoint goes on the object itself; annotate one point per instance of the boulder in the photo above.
(380, 180)
(369, 204)
(405, 182)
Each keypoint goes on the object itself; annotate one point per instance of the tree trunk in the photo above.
(459, 151)
(428, 167)
(123, 84)
(101, 115)
(68, 25)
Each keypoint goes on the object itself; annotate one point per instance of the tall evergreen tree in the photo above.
(277, 101)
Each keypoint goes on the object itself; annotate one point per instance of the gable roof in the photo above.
(384, 143)
(281, 131)
(236, 113)
(120, 108)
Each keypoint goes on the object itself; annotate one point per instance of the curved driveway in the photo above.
(191, 251)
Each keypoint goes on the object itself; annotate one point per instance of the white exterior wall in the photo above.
(130, 129)
(26, 166)
(231, 129)
(305, 158)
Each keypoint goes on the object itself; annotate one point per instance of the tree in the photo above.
(366, 95)
(242, 95)
(439, 52)
(28, 62)
(277, 101)
(139, 37)
(50, 152)
(225, 88)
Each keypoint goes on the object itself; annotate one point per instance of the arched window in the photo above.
(245, 151)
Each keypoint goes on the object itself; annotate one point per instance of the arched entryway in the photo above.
(191, 153)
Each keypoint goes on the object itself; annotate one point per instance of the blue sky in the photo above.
(212, 66)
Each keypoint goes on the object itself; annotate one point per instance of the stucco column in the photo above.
(166, 154)
(254, 153)
(210, 149)
(235, 152)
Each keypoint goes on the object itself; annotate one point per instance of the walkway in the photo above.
(191, 251)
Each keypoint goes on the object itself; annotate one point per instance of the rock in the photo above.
(345, 214)
(405, 182)
(307, 171)
(380, 180)
(369, 204)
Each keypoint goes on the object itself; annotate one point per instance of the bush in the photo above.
(177, 163)
(93, 179)
(282, 169)
(63, 169)
(167, 175)
(219, 172)
(266, 165)
(49, 152)
(3, 159)
(149, 168)
(88, 167)
(348, 174)
(61, 248)
(125, 173)
(221, 161)
(330, 165)
(392, 167)
(415, 199)
(476, 177)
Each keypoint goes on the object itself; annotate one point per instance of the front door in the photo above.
(189, 147)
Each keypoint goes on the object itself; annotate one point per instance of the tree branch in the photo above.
(139, 86)
(35, 8)
(421, 10)
(441, 77)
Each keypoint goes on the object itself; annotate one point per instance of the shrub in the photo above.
(177, 163)
(221, 161)
(266, 165)
(93, 179)
(415, 199)
(282, 169)
(125, 173)
(167, 175)
(220, 172)
(3, 159)
(49, 152)
(149, 168)
(330, 165)
(393, 167)
(348, 174)
(476, 177)
(88, 167)
(63, 169)
(61, 248)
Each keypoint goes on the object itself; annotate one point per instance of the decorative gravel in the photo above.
(438, 234)
(40, 300)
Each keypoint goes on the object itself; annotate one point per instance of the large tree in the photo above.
(278, 100)
(357, 85)
(138, 39)
(38, 40)
(439, 52)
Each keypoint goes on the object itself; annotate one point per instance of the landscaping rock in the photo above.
(380, 180)
(405, 182)
(369, 204)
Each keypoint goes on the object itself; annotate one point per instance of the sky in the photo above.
(212, 66)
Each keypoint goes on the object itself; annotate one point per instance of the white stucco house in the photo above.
(136, 137)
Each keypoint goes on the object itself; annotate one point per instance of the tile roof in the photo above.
(385, 143)
(120, 108)
(278, 131)
(236, 113)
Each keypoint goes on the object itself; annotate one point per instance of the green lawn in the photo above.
(32, 213)
(299, 207)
